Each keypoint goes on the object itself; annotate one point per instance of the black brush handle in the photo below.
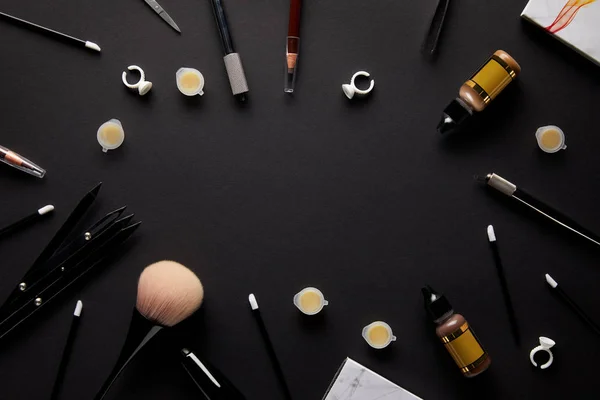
(62, 368)
(578, 310)
(272, 355)
(506, 293)
(141, 331)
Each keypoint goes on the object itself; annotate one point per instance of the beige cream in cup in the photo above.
(190, 81)
(550, 138)
(310, 301)
(111, 135)
(378, 335)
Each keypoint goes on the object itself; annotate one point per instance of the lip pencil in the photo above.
(67, 351)
(292, 50)
(27, 220)
(269, 345)
(60, 35)
(510, 189)
(584, 317)
(504, 284)
(19, 162)
(233, 62)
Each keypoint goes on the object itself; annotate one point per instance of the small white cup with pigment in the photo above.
(111, 135)
(190, 81)
(550, 138)
(310, 301)
(378, 335)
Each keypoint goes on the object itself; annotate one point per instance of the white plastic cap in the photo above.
(144, 87)
(546, 343)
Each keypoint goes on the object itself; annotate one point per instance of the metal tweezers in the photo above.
(435, 29)
(63, 262)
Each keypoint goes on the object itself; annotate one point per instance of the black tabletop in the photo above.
(362, 199)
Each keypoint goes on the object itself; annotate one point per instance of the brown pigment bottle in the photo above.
(456, 334)
(478, 92)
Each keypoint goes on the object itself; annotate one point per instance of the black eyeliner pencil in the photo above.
(59, 35)
(270, 348)
(233, 62)
(580, 313)
(27, 220)
(511, 190)
(504, 284)
(67, 351)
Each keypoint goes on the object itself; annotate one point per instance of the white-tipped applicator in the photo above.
(504, 285)
(67, 350)
(578, 310)
(167, 294)
(269, 345)
(27, 220)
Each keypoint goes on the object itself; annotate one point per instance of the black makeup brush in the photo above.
(62, 368)
(168, 293)
(27, 220)
(504, 285)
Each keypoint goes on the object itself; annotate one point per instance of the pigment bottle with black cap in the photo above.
(456, 334)
(479, 91)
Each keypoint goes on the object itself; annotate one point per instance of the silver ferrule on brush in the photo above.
(235, 72)
(501, 184)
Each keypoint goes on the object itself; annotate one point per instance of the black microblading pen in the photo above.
(233, 62)
(511, 190)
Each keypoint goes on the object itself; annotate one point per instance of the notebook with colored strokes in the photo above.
(574, 22)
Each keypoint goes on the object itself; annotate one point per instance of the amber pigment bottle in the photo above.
(456, 334)
(478, 92)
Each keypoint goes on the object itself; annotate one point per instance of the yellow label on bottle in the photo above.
(492, 78)
(465, 348)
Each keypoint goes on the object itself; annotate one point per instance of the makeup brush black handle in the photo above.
(555, 215)
(506, 294)
(43, 29)
(65, 359)
(580, 313)
(19, 224)
(273, 355)
(140, 332)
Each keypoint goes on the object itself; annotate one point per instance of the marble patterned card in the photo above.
(574, 22)
(355, 382)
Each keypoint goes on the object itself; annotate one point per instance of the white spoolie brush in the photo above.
(167, 294)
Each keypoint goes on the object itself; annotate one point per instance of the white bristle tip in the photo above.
(491, 233)
(78, 308)
(46, 209)
(92, 45)
(551, 281)
(253, 301)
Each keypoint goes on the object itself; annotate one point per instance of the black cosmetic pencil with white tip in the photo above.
(584, 317)
(50, 32)
(269, 345)
(27, 220)
(67, 351)
(504, 284)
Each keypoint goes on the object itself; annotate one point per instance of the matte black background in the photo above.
(362, 199)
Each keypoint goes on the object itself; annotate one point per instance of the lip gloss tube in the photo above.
(21, 163)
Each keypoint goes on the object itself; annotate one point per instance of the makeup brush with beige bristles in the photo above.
(167, 294)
